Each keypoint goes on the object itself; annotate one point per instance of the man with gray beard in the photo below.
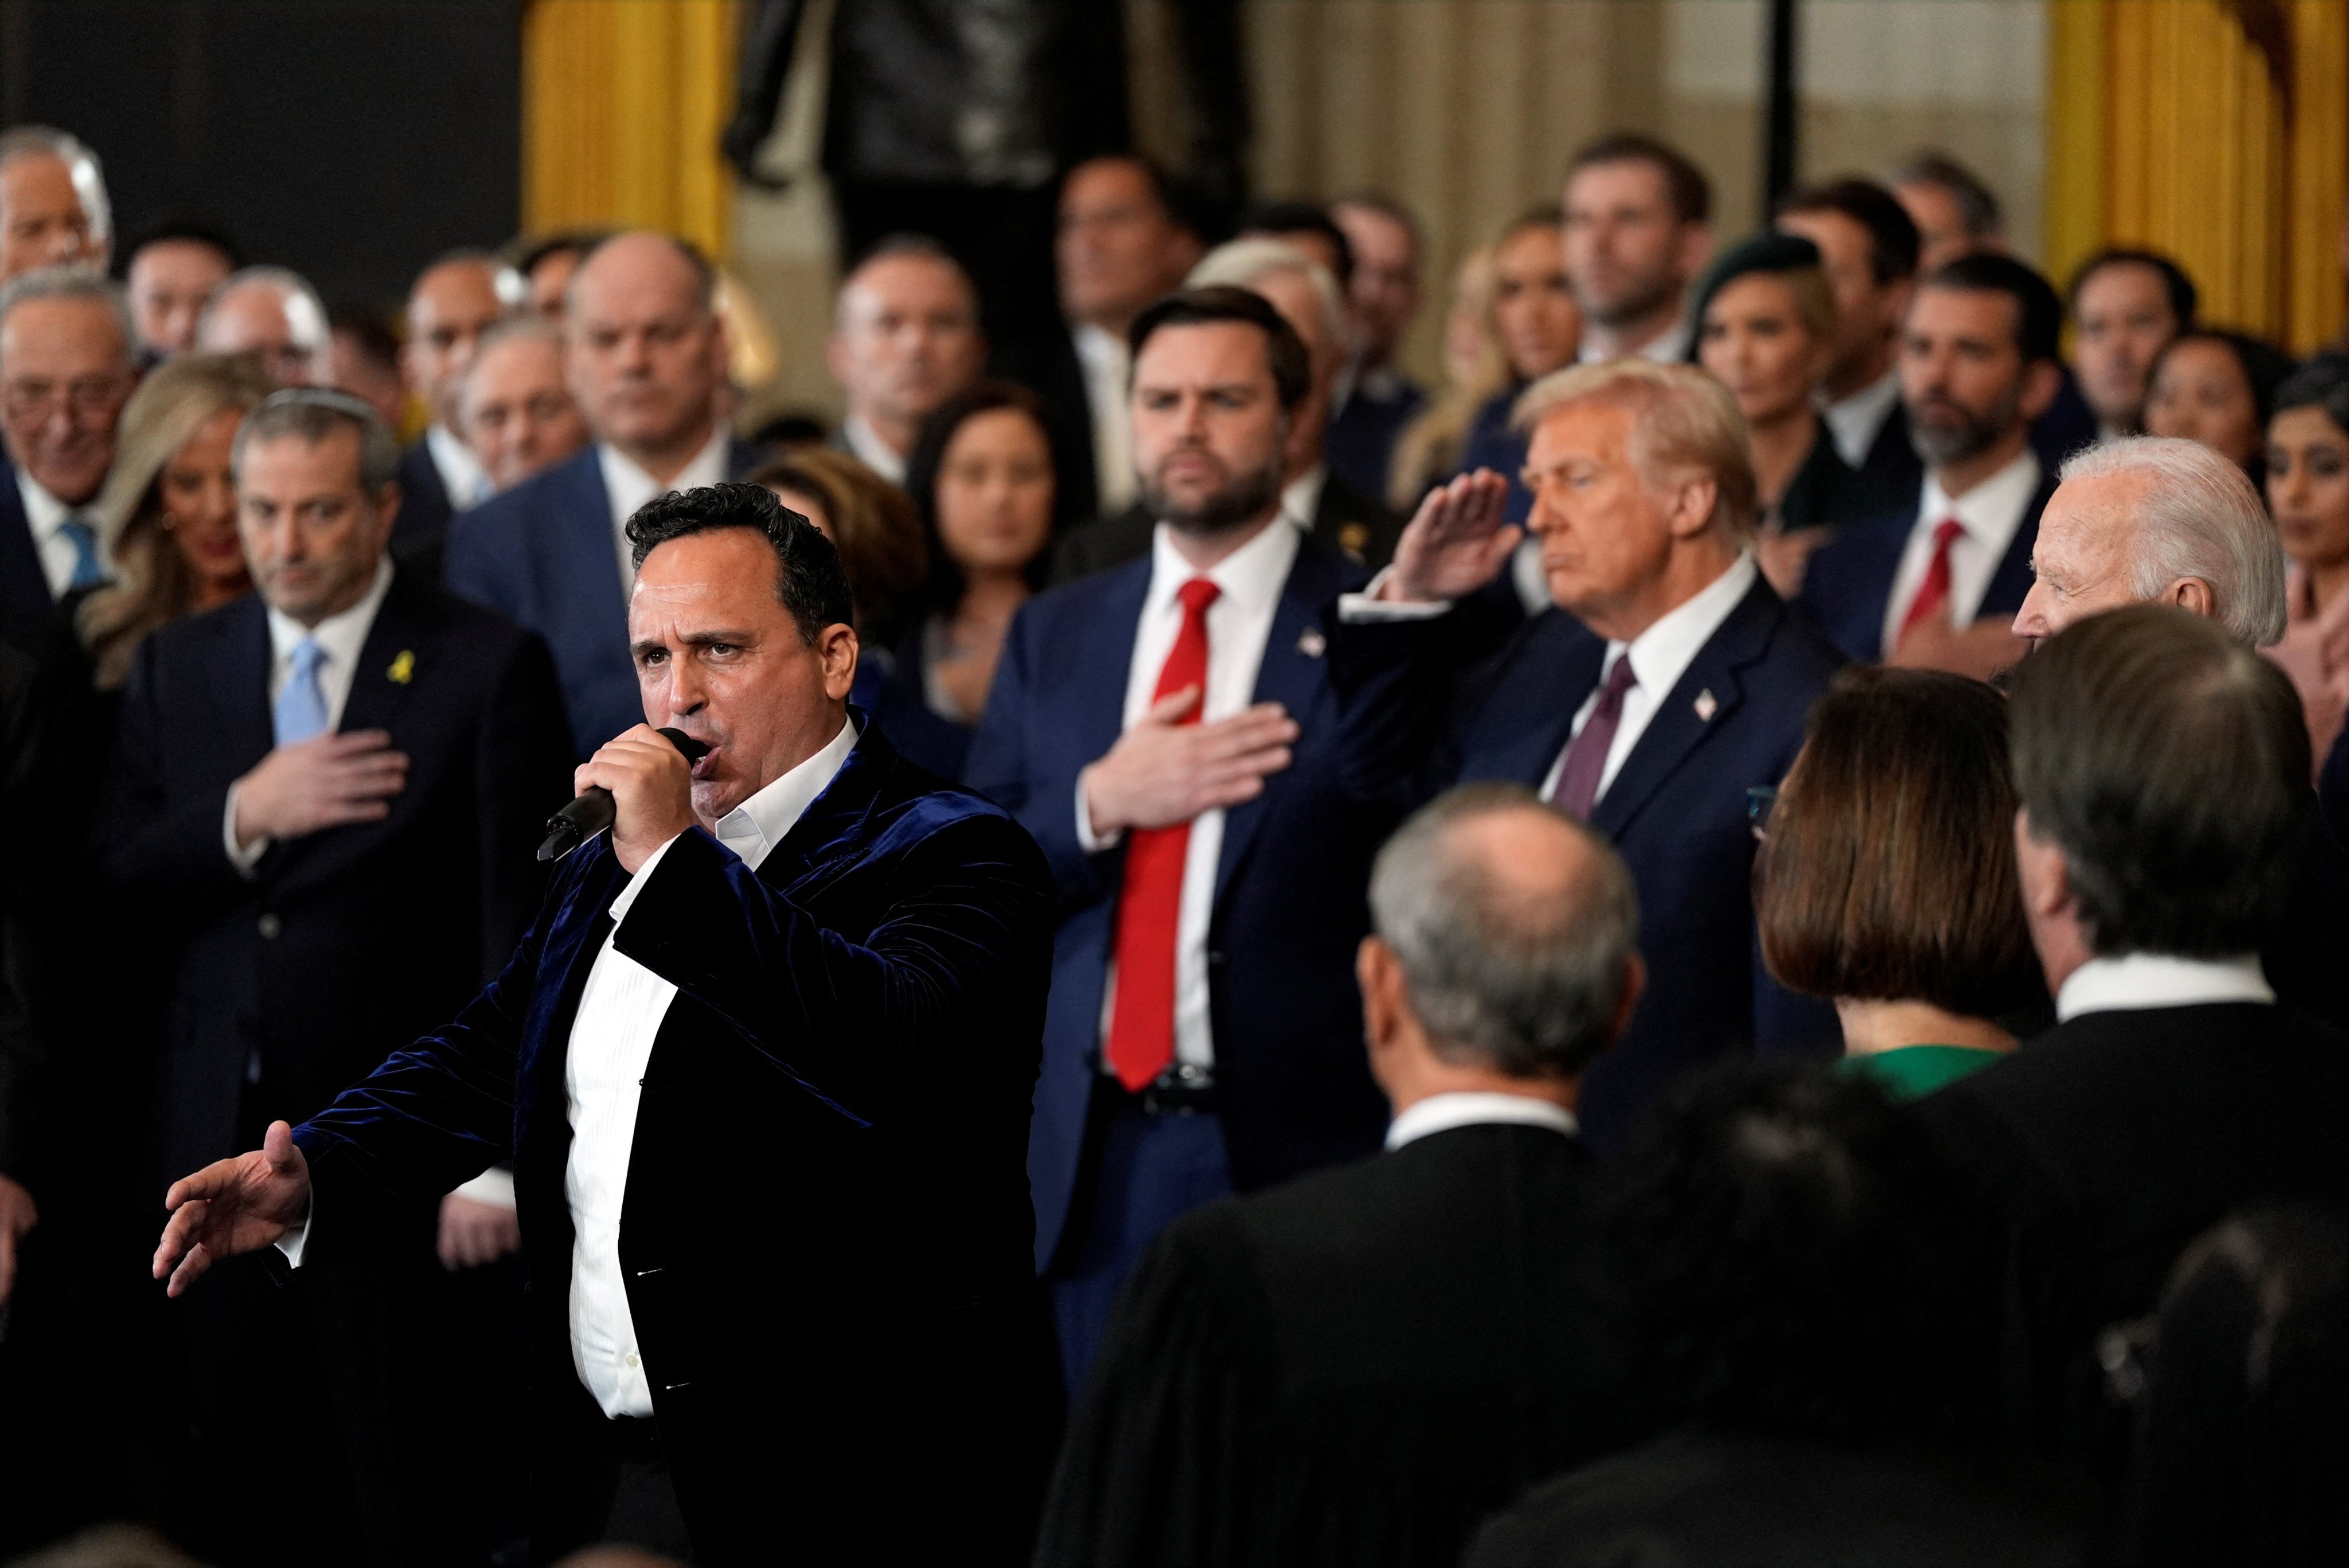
(1938, 585)
(1167, 731)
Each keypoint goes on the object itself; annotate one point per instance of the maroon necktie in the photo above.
(1586, 755)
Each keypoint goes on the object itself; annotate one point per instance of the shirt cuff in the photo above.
(1366, 607)
(1089, 841)
(493, 1187)
(297, 1235)
(246, 858)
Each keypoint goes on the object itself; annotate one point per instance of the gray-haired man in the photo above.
(325, 797)
(1390, 1350)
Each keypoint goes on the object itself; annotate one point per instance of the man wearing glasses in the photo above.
(65, 370)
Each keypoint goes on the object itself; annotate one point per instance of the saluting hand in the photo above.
(1164, 771)
(232, 1206)
(652, 792)
(1455, 544)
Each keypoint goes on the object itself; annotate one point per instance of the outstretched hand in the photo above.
(1456, 542)
(232, 1206)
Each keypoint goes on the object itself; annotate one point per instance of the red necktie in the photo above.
(1150, 901)
(1586, 755)
(1933, 594)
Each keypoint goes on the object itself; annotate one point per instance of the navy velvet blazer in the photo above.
(544, 553)
(1848, 583)
(1291, 885)
(1416, 721)
(825, 1232)
(347, 943)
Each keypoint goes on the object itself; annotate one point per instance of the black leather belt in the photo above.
(1182, 1090)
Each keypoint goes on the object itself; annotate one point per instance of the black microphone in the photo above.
(593, 811)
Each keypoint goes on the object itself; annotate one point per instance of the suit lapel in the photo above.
(1683, 719)
(1291, 674)
(589, 556)
(237, 670)
(388, 663)
(1527, 755)
(2012, 582)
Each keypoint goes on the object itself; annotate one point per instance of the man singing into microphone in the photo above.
(762, 1069)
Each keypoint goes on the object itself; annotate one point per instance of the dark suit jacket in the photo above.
(346, 944)
(1360, 443)
(1290, 902)
(1357, 525)
(544, 553)
(2109, 1143)
(1705, 1498)
(1416, 722)
(1848, 583)
(1491, 444)
(1352, 1369)
(1892, 473)
(826, 1225)
(1047, 365)
(28, 611)
(424, 506)
(27, 1052)
(2068, 426)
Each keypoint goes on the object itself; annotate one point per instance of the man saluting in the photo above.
(762, 1069)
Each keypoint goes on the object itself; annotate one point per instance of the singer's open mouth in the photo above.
(707, 765)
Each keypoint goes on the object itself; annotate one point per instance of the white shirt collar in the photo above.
(461, 474)
(1301, 497)
(1250, 577)
(43, 511)
(1662, 654)
(1442, 1113)
(1992, 510)
(1854, 421)
(2135, 981)
(1669, 347)
(752, 829)
(865, 443)
(628, 487)
(342, 635)
(1099, 348)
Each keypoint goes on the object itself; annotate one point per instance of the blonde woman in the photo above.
(1428, 449)
(169, 509)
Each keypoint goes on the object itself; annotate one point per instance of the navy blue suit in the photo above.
(1491, 444)
(825, 1232)
(1847, 588)
(1290, 902)
(424, 504)
(1360, 442)
(544, 553)
(1416, 722)
(28, 611)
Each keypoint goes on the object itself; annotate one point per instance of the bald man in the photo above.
(454, 301)
(645, 356)
(904, 339)
(275, 315)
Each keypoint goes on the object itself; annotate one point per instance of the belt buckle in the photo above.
(1183, 1089)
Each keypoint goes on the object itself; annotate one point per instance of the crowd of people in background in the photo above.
(1718, 939)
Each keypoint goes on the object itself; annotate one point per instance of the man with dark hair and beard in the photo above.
(1938, 585)
(1167, 732)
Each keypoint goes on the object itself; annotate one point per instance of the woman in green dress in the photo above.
(1885, 877)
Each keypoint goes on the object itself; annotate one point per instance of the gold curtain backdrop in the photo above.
(2215, 131)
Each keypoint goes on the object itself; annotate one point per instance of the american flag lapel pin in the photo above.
(1311, 643)
(1705, 706)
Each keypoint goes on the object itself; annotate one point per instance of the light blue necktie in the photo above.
(301, 706)
(87, 572)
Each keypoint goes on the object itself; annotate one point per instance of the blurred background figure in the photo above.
(878, 534)
(2216, 388)
(513, 408)
(273, 313)
(1382, 298)
(2308, 492)
(453, 301)
(982, 479)
(1539, 328)
(1638, 231)
(53, 206)
(1885, 881)
(546, 265)
(2240, 1386)
(1867, 245)
(364, 360)
(170, 269)
(904, 339)
(169, 509)
(2126, 305)
(1766, 330)
(1955, 213)
(1428, 450)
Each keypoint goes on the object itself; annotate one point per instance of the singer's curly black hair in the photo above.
(809, 579)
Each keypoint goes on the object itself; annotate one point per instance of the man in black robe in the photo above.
(1355, 1369)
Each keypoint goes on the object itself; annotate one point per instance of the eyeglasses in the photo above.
(1759, 799)
(90, 398)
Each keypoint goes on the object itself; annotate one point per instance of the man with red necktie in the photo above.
(1938, 584)
(1167, 732)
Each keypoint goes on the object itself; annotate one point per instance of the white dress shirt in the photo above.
(1660, 656)
(1238, 622)
(1669, 347)
(1992, 514)
(865, 443)
(1442, 1113)
(1854, 422)
(46, 515)
(1108, 365)
(341, 638)
(462, 474)
(2135, 981)
(1300, 498)
(628, 487)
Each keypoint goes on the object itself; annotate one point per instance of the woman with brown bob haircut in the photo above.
(1886, 879)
